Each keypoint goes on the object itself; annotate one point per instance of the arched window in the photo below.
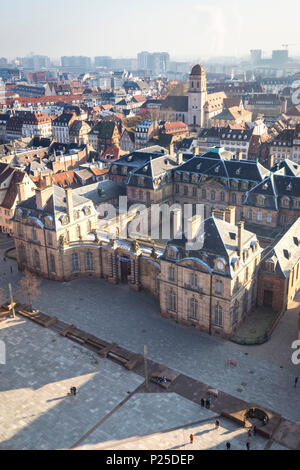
(194, 120)
(89, 261)
(218, 315)
(193, 308)
(172, 300)
(75, 262)
(36, 257)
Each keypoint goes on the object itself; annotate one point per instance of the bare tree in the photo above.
(29, 287)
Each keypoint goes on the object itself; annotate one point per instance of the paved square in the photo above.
(114, 313)
(35, 411)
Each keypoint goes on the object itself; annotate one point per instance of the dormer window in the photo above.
(260, 201)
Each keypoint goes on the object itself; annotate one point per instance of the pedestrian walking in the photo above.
(254, 430)
(73, 391)
(11, 270)
(228, 445)
(191, 438)
(249, 433)
(296, 381)
(248, 445)
(217, 424)
(207, 404)
(202, 402)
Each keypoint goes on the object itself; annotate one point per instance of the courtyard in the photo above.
(44, 366)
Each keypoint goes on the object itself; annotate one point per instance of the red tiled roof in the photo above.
(97, 172)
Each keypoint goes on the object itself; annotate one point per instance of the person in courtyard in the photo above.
(228, 445)
(202, 402)
(191, 438)
(73, 391)
(248, 445)
(254, 430)
(296, 381)
(217, 423)
(249, 433)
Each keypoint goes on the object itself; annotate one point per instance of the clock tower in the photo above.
(197, 97)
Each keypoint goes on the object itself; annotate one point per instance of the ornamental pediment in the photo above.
(195, 264)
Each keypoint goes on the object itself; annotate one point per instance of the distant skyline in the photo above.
(186, 29)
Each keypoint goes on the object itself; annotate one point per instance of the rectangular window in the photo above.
(218, 286)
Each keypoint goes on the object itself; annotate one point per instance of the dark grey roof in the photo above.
(220, 240)
(177, 103)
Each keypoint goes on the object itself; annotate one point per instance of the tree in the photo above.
(29, 287)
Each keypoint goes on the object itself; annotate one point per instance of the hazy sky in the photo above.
(184, 28)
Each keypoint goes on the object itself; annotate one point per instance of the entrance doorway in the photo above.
(268, 298)
(125, 268)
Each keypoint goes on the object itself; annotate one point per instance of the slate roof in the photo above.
(289, 167)
(286, 252)
(177, 103)
(101, 191)
(220, 240)
(138, 158)
(213, 165)
(152, 170)
(104, 129)
(56, 202)
(273, 188)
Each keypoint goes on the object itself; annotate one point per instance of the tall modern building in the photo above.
(280, 57)
(256, 56)
(103, 61)
(156, 62)
(76, 62)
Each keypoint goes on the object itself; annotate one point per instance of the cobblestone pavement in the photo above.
(109, 411)
(35, 411)
(114, 313)
(264, 374)
(152, 436)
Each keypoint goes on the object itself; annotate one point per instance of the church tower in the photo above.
(197, 97)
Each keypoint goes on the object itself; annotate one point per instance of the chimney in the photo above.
(196, 150)
(48, 180)
(21, 191)
(179, 158)
(192, 225)
(240, 238)
(69, 199)
(172, 150)
(218, 214)
(42, 195)
(230, 215)
(271, 160)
